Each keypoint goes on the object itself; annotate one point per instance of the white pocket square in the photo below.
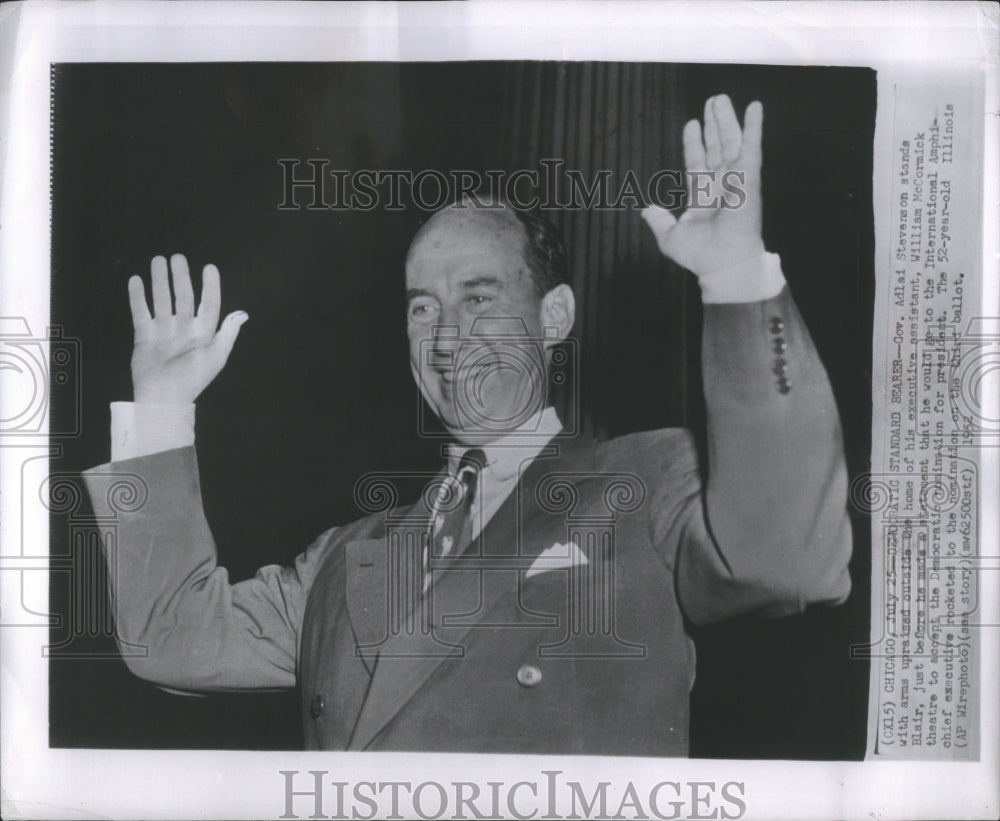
(557, 557)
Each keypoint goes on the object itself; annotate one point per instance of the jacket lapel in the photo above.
(462, 597)
(366, 576)
(393, 556)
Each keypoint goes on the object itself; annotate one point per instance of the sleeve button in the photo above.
(528, 675)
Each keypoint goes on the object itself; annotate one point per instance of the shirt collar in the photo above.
(505, 455)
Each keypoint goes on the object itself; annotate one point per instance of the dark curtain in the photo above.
(184, 157)
(633, 306)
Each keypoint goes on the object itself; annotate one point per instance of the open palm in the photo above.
(710, 236)
(178, 351)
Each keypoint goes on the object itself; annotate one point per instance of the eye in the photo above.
(479, 300)
(422, 310)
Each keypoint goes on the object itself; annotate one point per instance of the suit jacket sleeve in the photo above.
(770, 533)
(198, 631)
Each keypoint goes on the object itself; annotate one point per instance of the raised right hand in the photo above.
(177, 353)
(712, 235)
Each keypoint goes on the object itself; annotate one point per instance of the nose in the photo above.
(443, 347)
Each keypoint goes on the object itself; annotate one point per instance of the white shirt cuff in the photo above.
(142, 428)
(750, 280)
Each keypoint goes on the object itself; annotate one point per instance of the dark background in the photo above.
(157, 159)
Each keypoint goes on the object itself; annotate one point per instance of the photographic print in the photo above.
(430, 414)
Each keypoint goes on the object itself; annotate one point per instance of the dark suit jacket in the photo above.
(593, 658)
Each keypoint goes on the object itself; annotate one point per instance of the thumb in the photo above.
(224, 339)
(661, 222)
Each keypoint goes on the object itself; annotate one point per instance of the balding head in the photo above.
(538, 240)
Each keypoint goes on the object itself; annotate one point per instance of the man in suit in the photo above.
(536, 599)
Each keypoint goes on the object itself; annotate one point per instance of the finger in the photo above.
(211, 298)
(183, 293)
(713, 152)
(161, 287)
(753, 134)
(137, 302)
(225, 338)
(730, 135)
(694, 148)
(660, 222)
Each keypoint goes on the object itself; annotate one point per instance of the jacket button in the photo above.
(780, 367)
(316, 708)
(779, 346)
(775, 325)
(783, 385)
(528, 675)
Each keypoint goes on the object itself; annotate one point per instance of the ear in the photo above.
(558, 313)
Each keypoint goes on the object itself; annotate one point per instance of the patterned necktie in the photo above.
(451, 520)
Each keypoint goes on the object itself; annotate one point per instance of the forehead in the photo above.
(456, 244)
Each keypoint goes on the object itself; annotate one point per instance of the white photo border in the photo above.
(895, 39)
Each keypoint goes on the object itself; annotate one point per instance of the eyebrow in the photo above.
(477, 281)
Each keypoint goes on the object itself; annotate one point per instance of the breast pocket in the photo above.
(581, 606)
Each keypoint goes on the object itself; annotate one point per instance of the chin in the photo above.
(465, 430)
(464, 437)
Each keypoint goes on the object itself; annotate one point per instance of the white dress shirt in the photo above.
(506, 460)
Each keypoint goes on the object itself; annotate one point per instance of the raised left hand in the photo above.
(709, 235)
